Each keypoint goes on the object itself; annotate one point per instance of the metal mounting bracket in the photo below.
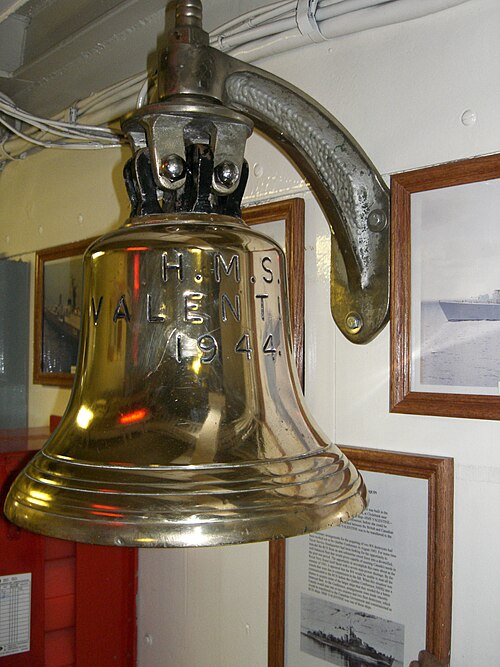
(350, 191)
(352, 194)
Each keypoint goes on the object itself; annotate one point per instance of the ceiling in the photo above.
(54, 52)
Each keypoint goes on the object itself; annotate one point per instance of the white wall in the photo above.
(400, 91)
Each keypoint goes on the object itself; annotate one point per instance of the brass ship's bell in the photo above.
(186, 425)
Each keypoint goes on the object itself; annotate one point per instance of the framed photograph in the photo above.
(445, 324)
(284, 221)
(377, 589)
(58, 295)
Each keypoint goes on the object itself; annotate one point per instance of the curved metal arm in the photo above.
(349, 189)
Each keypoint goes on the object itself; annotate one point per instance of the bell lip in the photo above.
(297, 519)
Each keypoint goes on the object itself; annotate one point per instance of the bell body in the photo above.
(186, 424)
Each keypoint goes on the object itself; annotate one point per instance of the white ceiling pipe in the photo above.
(255, 17)
(229, 39)
(347, 24)
(326, 11)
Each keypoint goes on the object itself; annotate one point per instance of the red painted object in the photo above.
(83, 602)
(20, 552)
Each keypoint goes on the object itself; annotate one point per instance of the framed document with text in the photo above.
(377, 589)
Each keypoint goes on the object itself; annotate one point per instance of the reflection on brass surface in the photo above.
(186, 425)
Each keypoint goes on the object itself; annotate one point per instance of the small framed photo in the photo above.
(445, 323)
(377, 589)
(58, 304)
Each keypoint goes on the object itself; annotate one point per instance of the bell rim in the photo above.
(298, 518)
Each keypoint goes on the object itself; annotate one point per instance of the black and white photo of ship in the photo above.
(455, 285)
(344, 637)
(483, 307)
(352, 645)
(61, 315)
(459, 346)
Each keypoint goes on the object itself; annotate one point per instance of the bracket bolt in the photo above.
(173, 167)
(226, 173)
(353, 322)
(377, 220)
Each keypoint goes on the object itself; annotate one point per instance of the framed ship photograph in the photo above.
(58, 295)
(445, 323)
(377, 589)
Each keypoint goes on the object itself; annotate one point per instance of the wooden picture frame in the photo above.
(291, 211)
(438, 473)
(445, 287)
(58, 290)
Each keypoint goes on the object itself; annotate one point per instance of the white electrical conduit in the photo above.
(376, 16)
(58, 128)
(54, 144)
(256, 16)
(254, 35)
(251, 30)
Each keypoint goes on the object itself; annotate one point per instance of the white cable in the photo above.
(305, 18)
(256, 21)
(229, 42)
(268, 10)
(142, 97)
(50, 144)
(289, 10)
(61, 129)
(387, 13)
(72, 131)
(346, 6)
(384, 14)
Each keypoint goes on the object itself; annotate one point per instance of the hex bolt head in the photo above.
(226, 173)
(353, 322)
(377, 220)
(173, 167)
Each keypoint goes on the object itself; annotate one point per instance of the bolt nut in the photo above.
(226, 174)
(377, 220)
(353, 322)
(173, 167)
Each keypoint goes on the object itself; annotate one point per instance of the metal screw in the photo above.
(377, 220)
(353, 322)
(173, 167)
(226, 173)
